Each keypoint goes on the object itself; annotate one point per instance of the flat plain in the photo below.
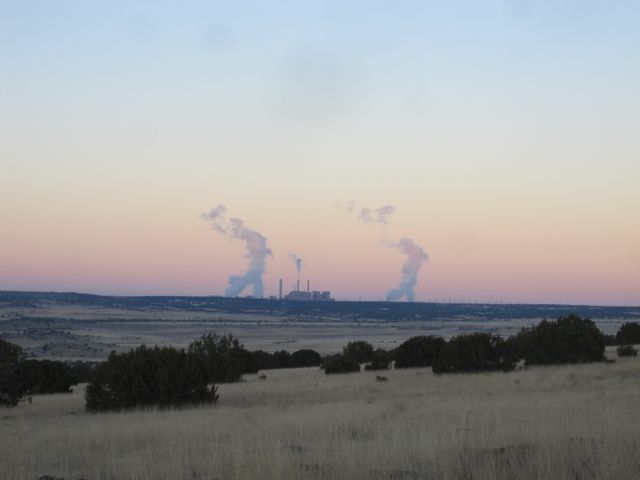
(566, 422)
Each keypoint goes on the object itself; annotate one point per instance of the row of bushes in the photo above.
(569, 339)
(21, 377)
(166, 376)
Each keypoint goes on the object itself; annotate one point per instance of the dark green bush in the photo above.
(476, 352)
(264, 360)
(629, 334)
(282, 359)
(627, 351)
(418, 351)
(225, 358)
(380, 361)
(12, 388)
(569, 339)
(46, 376)
(341, 364)
(359, 350)
(82, 371)
(159, 376)
(305, 358)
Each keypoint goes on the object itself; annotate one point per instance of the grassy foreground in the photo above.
(571, 422)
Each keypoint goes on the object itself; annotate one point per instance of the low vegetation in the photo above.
(359, 350)
(627, 351)
(478, 352)
(170, 377)
(21, 377)
(340, 363)
(158, 376)
(381, 360)
(419, 351)
(569, 339)
(629, 334)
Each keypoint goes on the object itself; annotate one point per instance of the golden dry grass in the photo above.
(573, 422)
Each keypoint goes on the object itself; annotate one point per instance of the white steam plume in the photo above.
(257, 251)
(416, 257)
(297, 260)
(368, 215)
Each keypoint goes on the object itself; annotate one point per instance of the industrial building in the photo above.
(308, 295)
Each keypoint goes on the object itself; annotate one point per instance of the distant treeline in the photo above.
(166, 376)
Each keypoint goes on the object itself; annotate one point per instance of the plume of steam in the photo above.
(368, 215)
(297, 260)
(378, 215)
(416, 257)
(255, 243)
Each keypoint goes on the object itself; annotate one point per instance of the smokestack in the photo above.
(308, 286)
(280, 289)
(298, 286)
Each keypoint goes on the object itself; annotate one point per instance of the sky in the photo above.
(504, 133)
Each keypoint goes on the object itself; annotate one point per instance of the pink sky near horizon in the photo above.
(485, 255)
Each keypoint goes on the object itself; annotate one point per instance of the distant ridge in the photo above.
(353, 310)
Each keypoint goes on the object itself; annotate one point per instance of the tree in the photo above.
(282, 359)
(305, 358)
(418, 351)
(341, 364)
(12, 388)
(380, 360)
(568, 339)
(225, 358)
(46, 376)
(359, 350)
(473, 353)
(158, 376)
(629, 334)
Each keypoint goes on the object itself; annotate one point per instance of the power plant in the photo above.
(308, 295)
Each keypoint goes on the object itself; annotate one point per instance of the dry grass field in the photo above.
(571, 422)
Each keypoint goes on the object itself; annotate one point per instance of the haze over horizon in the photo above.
(503, 133)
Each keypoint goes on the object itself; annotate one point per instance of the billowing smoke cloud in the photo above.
(416, 257)
(257, 251)
(368, 215)
(297, 260)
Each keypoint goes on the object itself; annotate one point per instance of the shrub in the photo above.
(281, 359)
(380, 361)
(569, 339)
(305, 358)
(627, 351)
(12, 389)
(359, 350)
(263, 360)
(418, 351)
(629, 334)
(225, 358)
(477, 352)
(159, 376)
(341, 364)
(46, 376)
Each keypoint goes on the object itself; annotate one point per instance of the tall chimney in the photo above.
(298, 286)
(280, 289)
(308, 286)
